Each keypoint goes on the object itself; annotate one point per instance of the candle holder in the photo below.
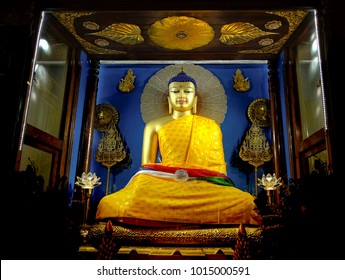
(270, 183)
(88, 181)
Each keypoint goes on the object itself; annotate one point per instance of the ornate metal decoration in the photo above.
(127, 83)
(124, 33)
(101, 42)
(105, 114)
(259, 112)
(67, 19)
(111, 149)
(91, 25)
(183, 235)
(240, 32)
(181, 33)
(87, 181)
(255, 149)
(273, 24)
(294, 18)
(241, 84)
(266, 42)
(270, 183)
(98, 34)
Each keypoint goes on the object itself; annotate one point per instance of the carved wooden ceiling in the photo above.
(181, 35)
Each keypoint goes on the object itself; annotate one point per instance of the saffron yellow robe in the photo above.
(190, 142)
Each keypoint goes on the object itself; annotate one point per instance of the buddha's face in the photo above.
(182, 95)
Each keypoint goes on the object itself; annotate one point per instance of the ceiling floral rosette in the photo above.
(181, 33)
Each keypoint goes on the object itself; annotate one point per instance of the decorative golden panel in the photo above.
(176, 35)
(181, 33)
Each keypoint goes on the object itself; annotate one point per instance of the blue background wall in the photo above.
(131, 125)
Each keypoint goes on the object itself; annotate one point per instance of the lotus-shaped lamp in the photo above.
(269, 182)
(88, 180)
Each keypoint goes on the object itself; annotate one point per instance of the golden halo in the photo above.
(259, 112)
(105, 114)
(181, 33)
(212, 101)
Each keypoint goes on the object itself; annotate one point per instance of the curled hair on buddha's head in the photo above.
(182, 77)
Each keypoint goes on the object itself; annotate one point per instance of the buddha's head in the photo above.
(182, 93)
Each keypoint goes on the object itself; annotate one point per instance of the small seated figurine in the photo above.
(190, 184)
(241, 83)
(127, 84)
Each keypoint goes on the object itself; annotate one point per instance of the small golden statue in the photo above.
(127, 84)
(240, 83)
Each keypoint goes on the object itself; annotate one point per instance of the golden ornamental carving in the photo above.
(266, 42)
(67, 19)
(240, 32)
(181, 33)
(111, 149)
(101, 42)
(273, 24)
(241, 84)
(105, 114)
(259, 112)
(171, 251)
(294, 18)
(91, 25)
(255, 149)
(188, 234)
(127, 83)
(124, 33)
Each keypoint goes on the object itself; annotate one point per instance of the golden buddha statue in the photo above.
(190, 184)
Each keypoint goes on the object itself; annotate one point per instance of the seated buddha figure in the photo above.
(189, 184)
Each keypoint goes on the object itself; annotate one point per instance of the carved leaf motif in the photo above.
(124, 33)
(240, 32)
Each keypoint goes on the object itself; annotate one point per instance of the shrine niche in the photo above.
(108, 147)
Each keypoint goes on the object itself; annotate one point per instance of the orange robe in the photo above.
(191, 142)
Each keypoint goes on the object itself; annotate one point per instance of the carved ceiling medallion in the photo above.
(181, 33)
